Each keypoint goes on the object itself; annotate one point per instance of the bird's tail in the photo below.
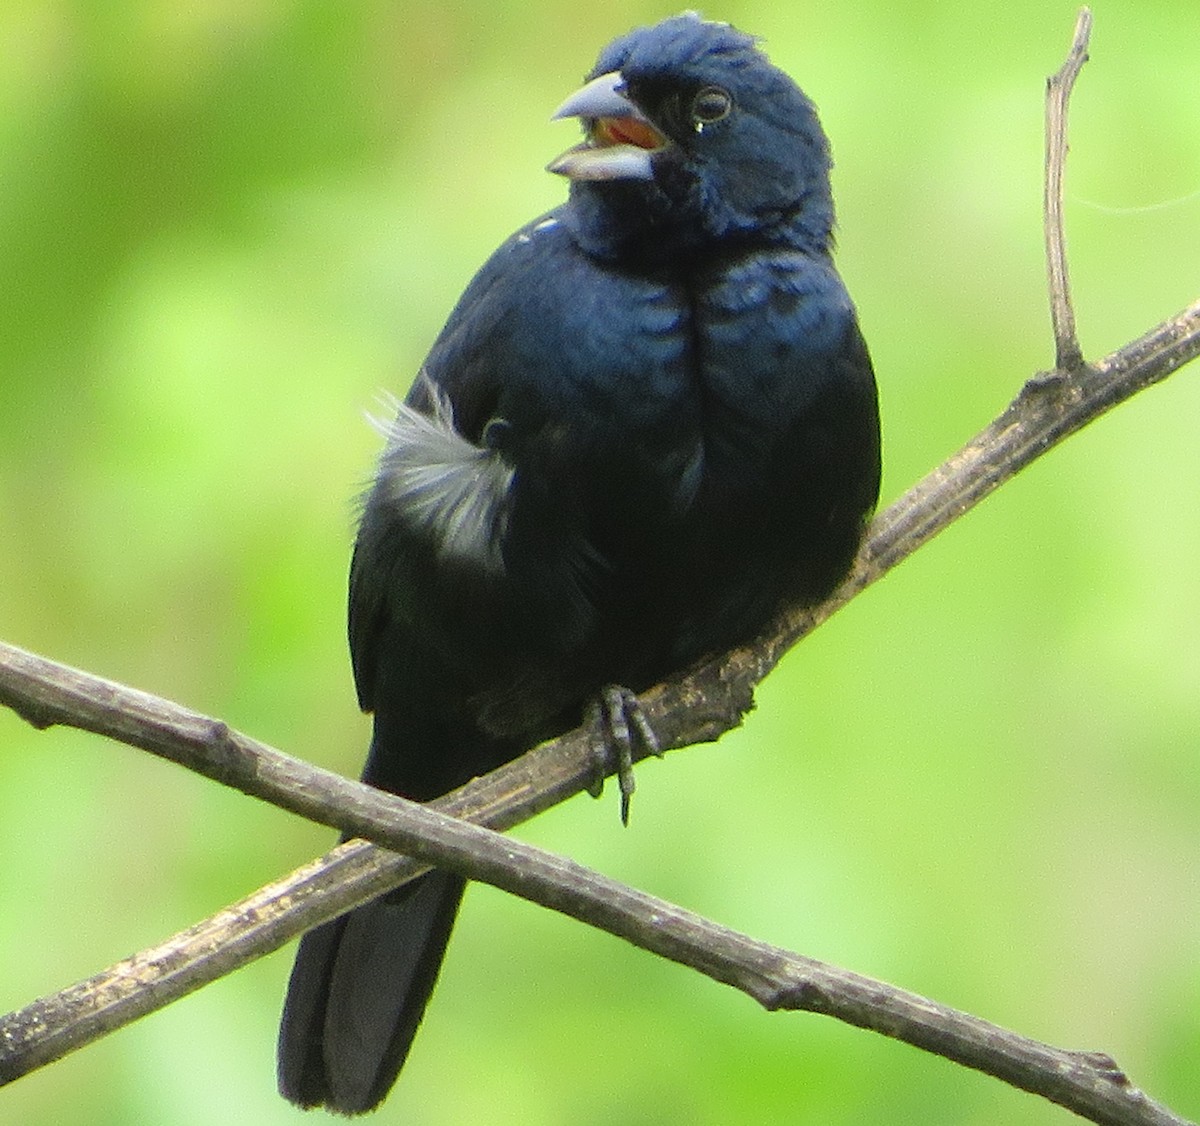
(358, 991)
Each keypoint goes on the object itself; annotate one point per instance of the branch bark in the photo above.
(696, 707)
(1091, 1084)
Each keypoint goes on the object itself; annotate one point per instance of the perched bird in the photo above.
(649, 423)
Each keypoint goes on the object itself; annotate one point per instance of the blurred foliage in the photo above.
(225, 227)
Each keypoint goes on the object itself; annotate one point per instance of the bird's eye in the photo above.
(710, 104)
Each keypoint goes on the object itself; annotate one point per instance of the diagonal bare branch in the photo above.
(1091, 1084)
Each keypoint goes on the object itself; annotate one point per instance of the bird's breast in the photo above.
(670, 389)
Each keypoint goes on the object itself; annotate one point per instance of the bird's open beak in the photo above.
(620, 141)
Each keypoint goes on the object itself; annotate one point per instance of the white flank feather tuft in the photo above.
(446, 488)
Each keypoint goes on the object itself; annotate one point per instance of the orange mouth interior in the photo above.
(626, 131)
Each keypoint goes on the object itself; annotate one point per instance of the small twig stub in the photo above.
(1068, 354)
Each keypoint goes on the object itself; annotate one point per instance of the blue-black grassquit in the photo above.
(648, 424)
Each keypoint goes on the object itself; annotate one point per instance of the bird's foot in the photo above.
(619, 726)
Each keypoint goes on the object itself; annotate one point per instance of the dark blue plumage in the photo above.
(648, 424)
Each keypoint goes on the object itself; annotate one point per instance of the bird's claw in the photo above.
(619, 725)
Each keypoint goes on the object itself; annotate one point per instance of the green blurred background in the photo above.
(226, 226)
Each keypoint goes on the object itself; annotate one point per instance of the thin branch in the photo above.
(1068, 355)
(1090, 1084)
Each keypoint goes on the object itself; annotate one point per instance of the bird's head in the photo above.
(692, 138)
